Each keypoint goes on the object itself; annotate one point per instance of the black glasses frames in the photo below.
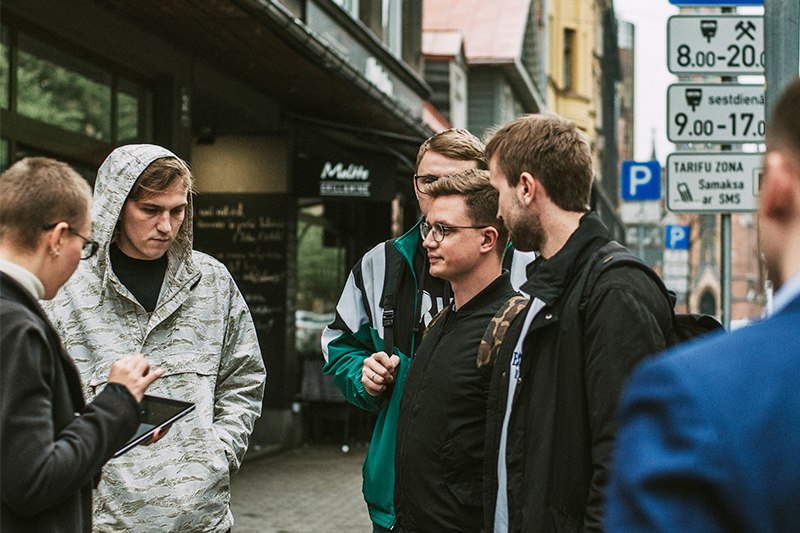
(422, 181)
(89, 246)
(440, 230)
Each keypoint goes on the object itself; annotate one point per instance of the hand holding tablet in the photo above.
(156, 413)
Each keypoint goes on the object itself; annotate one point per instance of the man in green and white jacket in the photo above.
(353, 343)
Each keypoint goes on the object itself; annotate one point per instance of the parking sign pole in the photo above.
(781, 46)
(725, 268)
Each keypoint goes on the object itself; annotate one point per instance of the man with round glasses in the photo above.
(353, 343)
(442, 418)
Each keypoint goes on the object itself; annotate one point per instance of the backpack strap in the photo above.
(612, 255)
(497, 328)
(392, 269)
(433, 321)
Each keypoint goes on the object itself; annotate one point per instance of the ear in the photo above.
(527, 187)
(53, 239)
(780, 191)
(490, 236)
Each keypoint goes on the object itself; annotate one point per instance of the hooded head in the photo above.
(115, 186)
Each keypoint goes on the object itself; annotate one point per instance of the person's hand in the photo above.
(379, 371)
(157, 435)
(134, 372)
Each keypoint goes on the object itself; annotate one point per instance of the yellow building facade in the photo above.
(571, 61)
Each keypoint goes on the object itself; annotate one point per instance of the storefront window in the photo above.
(63, 97)
(63, 91)
(5, 80)
(321, 274)
(127, 116)
(3, 155)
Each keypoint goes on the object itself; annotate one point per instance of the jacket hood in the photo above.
(115, 180)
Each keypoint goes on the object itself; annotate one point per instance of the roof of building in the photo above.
(493, 30)
(442, 43)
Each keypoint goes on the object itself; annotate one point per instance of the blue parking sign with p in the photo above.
(641, 180)
(677, 237)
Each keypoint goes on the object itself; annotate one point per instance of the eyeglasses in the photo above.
(421, 182)
(439, 230)
(89, 247)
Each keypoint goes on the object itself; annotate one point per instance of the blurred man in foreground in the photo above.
(709, 436)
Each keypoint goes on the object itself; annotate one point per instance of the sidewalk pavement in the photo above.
(309, 489)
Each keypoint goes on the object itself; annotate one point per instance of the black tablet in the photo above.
(155, 413)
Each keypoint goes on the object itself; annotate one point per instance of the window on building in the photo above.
(62, 90)
(349, 6)
(321, 274)
(532, 47)
(393, 26)
(5, 61)
(708, 303)
(59, 102)
(569, 60)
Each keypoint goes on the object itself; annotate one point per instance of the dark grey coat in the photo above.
(52, 445)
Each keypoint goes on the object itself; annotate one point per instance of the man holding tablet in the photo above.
(52, 444)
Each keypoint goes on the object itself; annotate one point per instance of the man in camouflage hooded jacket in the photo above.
(147, 291)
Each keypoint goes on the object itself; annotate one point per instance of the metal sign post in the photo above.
(715, 182)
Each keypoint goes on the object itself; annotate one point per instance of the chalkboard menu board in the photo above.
(249, 234)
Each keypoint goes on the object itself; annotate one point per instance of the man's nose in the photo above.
(164, 223)
(429, 241)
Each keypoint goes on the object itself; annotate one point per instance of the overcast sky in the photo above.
(651, 75)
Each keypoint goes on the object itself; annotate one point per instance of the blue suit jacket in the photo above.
(709, 436)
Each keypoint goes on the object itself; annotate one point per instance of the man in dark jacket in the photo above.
(442, 420)
(550, 422)
(52, 444)
(353, 344)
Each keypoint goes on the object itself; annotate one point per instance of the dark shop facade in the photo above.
(300, 119)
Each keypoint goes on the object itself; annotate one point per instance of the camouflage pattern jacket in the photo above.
(202, 335)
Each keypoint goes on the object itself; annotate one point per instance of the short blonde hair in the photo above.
(480, 197)
(457, 144)
(36, 192)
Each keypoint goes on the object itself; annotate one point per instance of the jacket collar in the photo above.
(549, 278)
(791, 307)
(501, 285)
(10, 288)
(409, 242)
(24, 277)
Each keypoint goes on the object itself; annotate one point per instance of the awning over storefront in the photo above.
(264, 44)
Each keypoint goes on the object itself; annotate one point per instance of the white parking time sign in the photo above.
(723, 113)
(715, 44)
